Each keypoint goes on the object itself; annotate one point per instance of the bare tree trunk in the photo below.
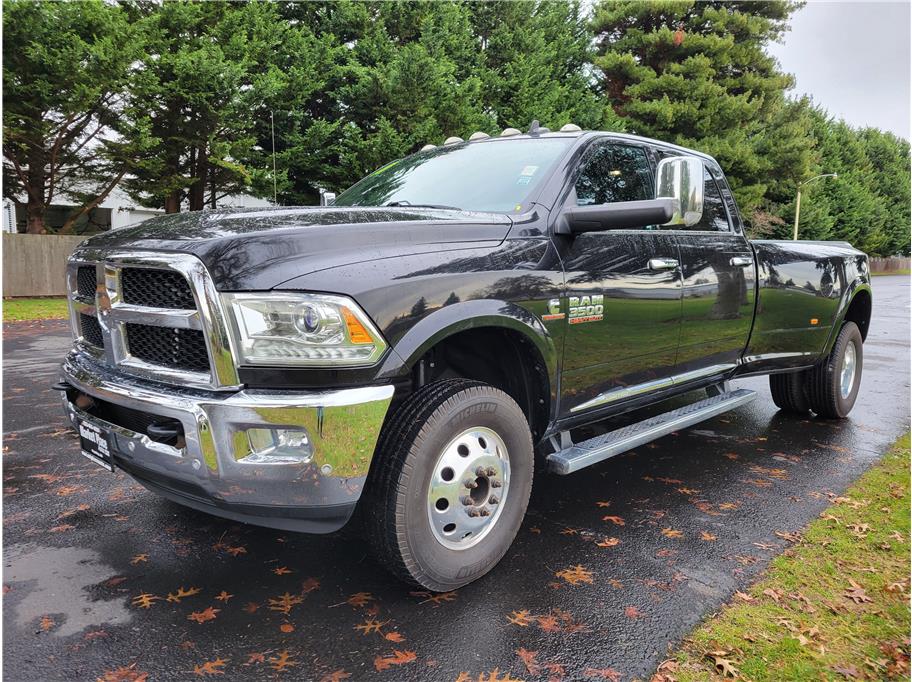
(173, 202)
(35, 217)
(198, 188)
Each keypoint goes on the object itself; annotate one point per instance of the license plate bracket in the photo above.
(96, 444)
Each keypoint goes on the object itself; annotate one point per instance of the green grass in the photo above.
(19, 309)
(800, 621)
(905, 272)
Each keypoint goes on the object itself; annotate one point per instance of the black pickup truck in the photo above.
(452, 321)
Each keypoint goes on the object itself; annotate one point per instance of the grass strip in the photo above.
(834, 606)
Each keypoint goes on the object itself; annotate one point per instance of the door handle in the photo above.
(662, 263)
(741, 261)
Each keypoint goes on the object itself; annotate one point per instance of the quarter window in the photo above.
(612, 173)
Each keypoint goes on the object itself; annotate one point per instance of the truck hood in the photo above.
(259, 249)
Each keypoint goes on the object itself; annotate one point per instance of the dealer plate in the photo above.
(95, 444)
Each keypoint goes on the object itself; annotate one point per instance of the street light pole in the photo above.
(798, 199)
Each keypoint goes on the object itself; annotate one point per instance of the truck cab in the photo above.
(416, 350)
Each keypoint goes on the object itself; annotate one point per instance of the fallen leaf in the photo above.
(856, 593)
(528, 659)
(210, 667)
(139, 558)
(744, 597)
(575, 575)
(145, 600)
(282, 570)
(520, 618)
(224, 596)
(281, 662)
(286, 627)
(616, 520)
(724, 666)
(398, 658)
(633, 612)
(709, 537)
(204, 615)
(176, 597)
(608, 542)
(127, 673)
(671, 533)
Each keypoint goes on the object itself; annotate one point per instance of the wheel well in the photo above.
(503, 358)
(859, 312)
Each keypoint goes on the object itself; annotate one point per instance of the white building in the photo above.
(117, 210)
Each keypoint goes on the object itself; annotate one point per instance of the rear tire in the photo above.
(789, 392)
(832, 386)
(453, 449)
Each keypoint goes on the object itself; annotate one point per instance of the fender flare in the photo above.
(466, 315)
(856, 287)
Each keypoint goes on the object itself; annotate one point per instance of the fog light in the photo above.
(273, 446)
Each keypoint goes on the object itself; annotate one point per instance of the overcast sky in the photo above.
(853, 59)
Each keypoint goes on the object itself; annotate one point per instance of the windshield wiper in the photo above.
(405, 202)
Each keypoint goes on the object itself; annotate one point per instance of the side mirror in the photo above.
(327, 198)
(622, 215)
(680, 178)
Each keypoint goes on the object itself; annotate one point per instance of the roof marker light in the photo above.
(428, 146)
(453, 140)
(478, 136)
(510, 132)
(570, 128)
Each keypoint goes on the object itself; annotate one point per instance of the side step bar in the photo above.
(580, 455)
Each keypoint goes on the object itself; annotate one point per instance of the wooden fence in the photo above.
(35, 264)
(892, 264)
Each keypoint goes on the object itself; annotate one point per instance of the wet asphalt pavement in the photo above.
(614, 564)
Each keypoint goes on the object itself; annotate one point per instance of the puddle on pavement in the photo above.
(56, 582)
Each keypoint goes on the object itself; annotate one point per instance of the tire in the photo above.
(789, 392)
(831, 391)
(426, 436)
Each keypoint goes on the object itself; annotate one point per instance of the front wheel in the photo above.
(832, 386)
(450, 484)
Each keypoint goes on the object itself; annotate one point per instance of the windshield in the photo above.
(489, 176)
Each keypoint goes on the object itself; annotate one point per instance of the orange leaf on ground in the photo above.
(204, 615)
(281, 662)
(575, 575)
(616, 520)
(127, 673)
(398, 658)
(210, 667)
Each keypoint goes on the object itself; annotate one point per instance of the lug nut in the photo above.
(484, 512)
(473, 512)
(496, 484)
(494, 499)
(491, 471)
(466, 500)
(480, 472)
(469, 483)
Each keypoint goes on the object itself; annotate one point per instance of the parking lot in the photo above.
(614, 564)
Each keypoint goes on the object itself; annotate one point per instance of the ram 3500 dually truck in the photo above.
(450, 322)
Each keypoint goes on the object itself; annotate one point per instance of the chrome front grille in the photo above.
(152, 315)
(156, 289)
(181, 348)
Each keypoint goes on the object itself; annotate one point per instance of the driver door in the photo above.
(623, 290)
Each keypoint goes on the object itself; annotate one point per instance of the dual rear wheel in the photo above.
(830, 388)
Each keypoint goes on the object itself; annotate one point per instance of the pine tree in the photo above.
(71, 127)
(697, 74)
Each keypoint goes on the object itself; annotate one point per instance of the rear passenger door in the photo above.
(623, 288)
(719, 285)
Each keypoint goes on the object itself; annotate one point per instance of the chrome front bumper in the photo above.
(204, 468)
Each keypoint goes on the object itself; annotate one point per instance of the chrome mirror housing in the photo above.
(680, 178)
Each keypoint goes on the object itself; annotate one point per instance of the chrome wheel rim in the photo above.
(847, 376)
(468, 488)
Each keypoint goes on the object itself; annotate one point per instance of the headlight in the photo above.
(316, 330)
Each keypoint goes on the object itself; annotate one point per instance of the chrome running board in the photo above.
(579, 455)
